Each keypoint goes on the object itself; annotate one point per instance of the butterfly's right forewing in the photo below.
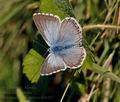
(70, 32)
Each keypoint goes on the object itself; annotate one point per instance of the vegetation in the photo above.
(22, 52)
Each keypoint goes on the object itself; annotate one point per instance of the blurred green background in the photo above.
(18, 35)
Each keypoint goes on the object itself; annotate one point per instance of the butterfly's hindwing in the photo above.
(52, 64)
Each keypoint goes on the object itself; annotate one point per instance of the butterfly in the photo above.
(64, 38)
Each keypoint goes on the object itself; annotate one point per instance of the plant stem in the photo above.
(101, 26)
(61, 100)
(92, 90)
(68, 85)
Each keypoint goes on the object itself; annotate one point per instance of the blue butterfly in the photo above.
(65, 41)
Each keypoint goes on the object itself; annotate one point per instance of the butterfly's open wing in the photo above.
(73, 57)
(48, 25)
(52, 64)
(70, 32)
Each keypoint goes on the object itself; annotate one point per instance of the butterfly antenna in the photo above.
(46, 53)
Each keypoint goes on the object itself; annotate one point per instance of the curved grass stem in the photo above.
(101, 26)
(68, 85)
(61, 100)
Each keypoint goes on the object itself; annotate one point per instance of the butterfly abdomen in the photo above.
(57, 49)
